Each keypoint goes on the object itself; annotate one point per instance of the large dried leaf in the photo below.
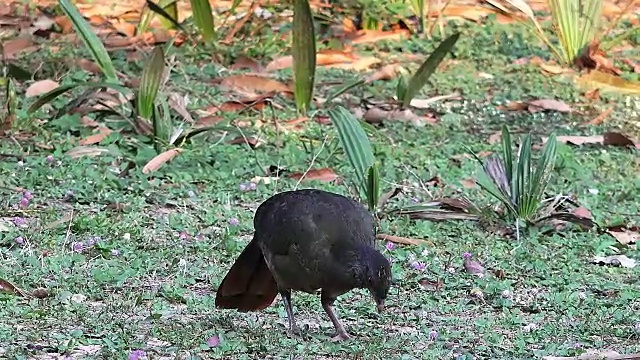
(322, 175)
(40, 87)
(80, 151)
(250, 85)
(6, 286)
(608, 138)
(403, 240)
(608, 83)
(159, 160)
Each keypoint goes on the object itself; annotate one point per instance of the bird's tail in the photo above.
(249, 285)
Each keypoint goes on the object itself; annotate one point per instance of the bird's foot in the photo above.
(341, 337)
(294, 331)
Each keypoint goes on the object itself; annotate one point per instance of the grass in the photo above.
(175, 234)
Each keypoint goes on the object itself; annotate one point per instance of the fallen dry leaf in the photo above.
(615, 260)
(367, 36)
(468, 183)
(322, 175)
(607, 82)
(252, 84)
(428, 103)
(495, 138)
(548, 104)
(582, 212)
(608, 138)
(80, 151)
(13, 47)
(323, 58)
(403, 240)
(41, 87)
(245, 62)
(592, 57)
(376, 115)
(387, 72)
(430, 285)
(626, 236)
(159, 160)
(600, 118)
(7, 287)
(251, 141)
(102, 133)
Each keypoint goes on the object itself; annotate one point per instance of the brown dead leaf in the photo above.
(80, 151)
(251, 141)
(322, 119)
(548, 104)
(40, 87)
(403, 240)
(245, 62)
(387, 72)
(124, 27)
(633, 65)
(513, 106)
(582, 212)
(367, 36)
(553, 69)
(359, 64)
(252, 84)
(377, 115)
(323, 58)
(208, 120)
(322, 175)
(468, 183)
(495, 138)
(7, 287)
(607, 82)
(159, 160)
(102, 133)
(430, 285)
(625, 237)
(13, 47)
(595, 59)
(609, 138)
(89, 66)
(600, 118)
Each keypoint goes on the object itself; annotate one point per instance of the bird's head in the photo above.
(378, 277)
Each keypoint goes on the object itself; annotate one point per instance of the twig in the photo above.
(313, 160)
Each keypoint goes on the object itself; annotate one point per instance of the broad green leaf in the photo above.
(203, 19)
(150, 82)
(425, 71)
(355, 143)
(373, 187)
(303, 52)
(91, 40)
(53, 94)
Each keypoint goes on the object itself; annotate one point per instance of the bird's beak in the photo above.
(380, 307)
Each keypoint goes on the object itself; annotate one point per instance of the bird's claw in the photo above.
(295, 331)
(341, 337)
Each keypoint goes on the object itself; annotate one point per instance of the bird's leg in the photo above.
(327, 304)
(286, 299)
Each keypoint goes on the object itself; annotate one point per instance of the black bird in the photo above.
(307, 240)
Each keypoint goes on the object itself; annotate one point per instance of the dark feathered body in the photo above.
(306, 240)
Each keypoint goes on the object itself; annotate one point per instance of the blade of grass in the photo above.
(91, 40)
(430, 65)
